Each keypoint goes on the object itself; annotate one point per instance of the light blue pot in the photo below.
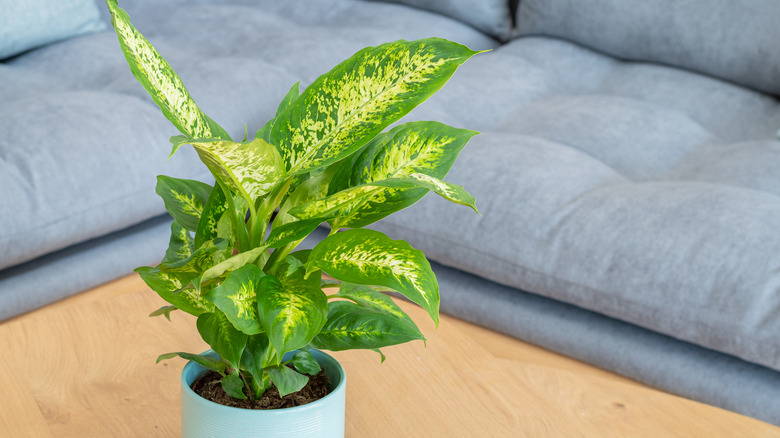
(321, 419)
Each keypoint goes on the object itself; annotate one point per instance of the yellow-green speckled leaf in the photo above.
(369, 257)
(448, 191)
(346, 107)
(180, 246)
(184, 199)
(158, 78)
(171, 287)
(425, 148)
(250, 169)
(292, 310)
(236, 297)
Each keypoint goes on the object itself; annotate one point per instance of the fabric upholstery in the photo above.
(490, 16)
(736, 41)
(638, 191)
(32, 23)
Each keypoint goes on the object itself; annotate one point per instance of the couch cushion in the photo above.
(82, 142)
(32, 23)
(490, 16)
(643, 192)
(732, 40)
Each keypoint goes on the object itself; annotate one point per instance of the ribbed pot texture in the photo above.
(323, 418)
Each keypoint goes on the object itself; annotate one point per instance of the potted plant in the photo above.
(324, 158)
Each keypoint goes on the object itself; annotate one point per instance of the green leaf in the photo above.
(291, 311)
(231, 264)
(448, 191)
(369, 257)
(381, 355)
(258, 354)
(367, 296)
(180, 245)
(353, 326)
(292, 232)
(160, 81)
(203, 258)
(164, 311)
(205, 361)
(305, 363)
(250, 169)
(346, 107)
(428, 148)
(209, 219)
(233, 386)
(171, 286)
(236, 297)
(224, 339)
(184, 199)
(287, 381)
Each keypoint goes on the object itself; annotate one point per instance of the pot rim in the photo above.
(269, 412)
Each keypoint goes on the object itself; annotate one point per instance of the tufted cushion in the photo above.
(31, 23)
(490, 16)
(642, 192)
(733, 40)
(82, 142)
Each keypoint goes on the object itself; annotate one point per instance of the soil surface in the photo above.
(210, 388)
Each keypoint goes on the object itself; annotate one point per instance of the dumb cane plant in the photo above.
(323, 158)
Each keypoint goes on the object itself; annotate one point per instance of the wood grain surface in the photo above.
(85, 367)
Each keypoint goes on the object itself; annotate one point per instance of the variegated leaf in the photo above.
(353, 326)
(369, 257)
(292, 310)
(292, 232)
(428, 148)
(209, 218)
(236, 297)
(233, 263)
(184, 199)
(346, 107)
(249, 169)
(160, 81)
(369, 297)
(180, 246)
(448, 191)
(222, 337)
(171, 287)
(203, 258)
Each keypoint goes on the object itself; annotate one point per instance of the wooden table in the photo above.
(85, 367)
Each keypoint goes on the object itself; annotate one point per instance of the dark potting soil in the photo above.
(210, 388)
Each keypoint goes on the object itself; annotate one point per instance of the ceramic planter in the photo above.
(323, 418)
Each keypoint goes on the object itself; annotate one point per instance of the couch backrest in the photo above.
(492, 17)
(736, 40)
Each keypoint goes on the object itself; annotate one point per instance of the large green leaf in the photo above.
(427, 148)
(250, 169)
(369, 257)
(223, 338)
(180, 245)
(184, 199)
(236, 297)
(160, 81)
(346, 107)
(354, 326)
(292, 232)
(257, 356)
(369, 297)
(292, 310)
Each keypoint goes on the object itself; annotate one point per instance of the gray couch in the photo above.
(626, 174)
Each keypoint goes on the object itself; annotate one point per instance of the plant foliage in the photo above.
(323, 158)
